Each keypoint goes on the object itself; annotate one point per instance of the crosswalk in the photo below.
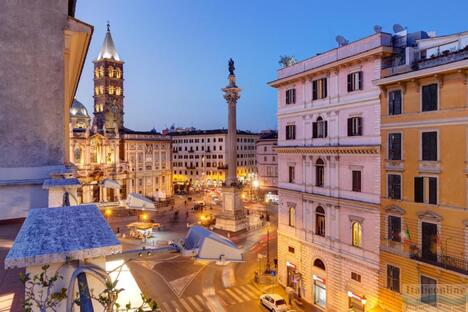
(224, 297)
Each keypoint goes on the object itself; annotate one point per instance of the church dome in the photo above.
(78, 110)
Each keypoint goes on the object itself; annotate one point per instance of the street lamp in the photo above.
(144, 216)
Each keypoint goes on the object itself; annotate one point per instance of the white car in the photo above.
(274, 302)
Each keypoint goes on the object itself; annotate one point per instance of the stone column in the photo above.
(231, 94)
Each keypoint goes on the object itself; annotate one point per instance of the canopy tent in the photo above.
(112, 184)
(206, 245)
(139, 202)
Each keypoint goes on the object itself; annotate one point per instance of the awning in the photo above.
(139, 202)
(109, 183)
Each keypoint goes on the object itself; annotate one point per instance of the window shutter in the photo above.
(433, 190)
(314, 130)
(425, 98)
(314, 90)
(391, 103)
(397, 103)
(287, 96)
(419, 189)
(293, 132)
(325, 128)
(324, 88)
(293, 96)
(359, 121)
(350, 126)
(433, 96)
(350, 82)
(360, 80)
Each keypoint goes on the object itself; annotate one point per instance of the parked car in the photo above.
(273, 302)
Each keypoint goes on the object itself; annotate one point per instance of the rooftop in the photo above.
(51, 235)
(351, 49)
(208, 132)
(108, 50)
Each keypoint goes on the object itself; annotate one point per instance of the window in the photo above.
(429, 97)
(290, 132)
(394, 102)
(291, 96)
(291, 174)
(394, 146)
(419, 189)
(393, 278)
(394, 186)
(356, 180)
(319, 264)
(354, 126)
(319, 89)
(355, 81)
(429, 145)
(319, 173)
(320, 221)
(355, 276)
(394, 228)
(291, 249)
(429, 241)
(292, 216)
(356, 234)
(428, 290)
(319, 128)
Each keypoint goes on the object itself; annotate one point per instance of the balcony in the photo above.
(447, 262)
(443, 58)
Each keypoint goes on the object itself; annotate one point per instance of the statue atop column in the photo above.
(233, 217)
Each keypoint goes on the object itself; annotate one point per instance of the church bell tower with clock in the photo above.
(108, 87)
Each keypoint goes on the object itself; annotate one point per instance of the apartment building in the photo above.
(329, 175)
(199, 157)
(267, 160)
(424, 222)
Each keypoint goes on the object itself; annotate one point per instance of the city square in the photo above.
(218, 156)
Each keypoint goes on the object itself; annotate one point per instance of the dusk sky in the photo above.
(176, 52)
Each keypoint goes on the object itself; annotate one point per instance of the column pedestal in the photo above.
(233, 217)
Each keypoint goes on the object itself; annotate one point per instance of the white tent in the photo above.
(140, 202)
(206, 245)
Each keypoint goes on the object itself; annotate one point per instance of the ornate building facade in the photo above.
(199, 156)
(267, 160)
(424, 221)
(111, 160)
(329, 175)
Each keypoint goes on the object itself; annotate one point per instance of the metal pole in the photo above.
(268, 249)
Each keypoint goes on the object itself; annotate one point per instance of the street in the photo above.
(181, 284)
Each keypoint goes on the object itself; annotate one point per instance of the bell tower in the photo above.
(108, 87)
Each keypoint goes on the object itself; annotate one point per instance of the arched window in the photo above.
(110, 71)
(319, 173)
(101, 71)
(118, 91)
(320, 221)
(118, 73)
(292, 216)
(357, 234)
(96, 72)
(319, 128)
(319, 264)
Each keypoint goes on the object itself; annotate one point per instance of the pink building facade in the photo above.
(329, 175)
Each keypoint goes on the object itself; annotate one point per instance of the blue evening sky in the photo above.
(176, 51)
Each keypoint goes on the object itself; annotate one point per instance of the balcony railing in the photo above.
(443, 58)
(447, 262)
